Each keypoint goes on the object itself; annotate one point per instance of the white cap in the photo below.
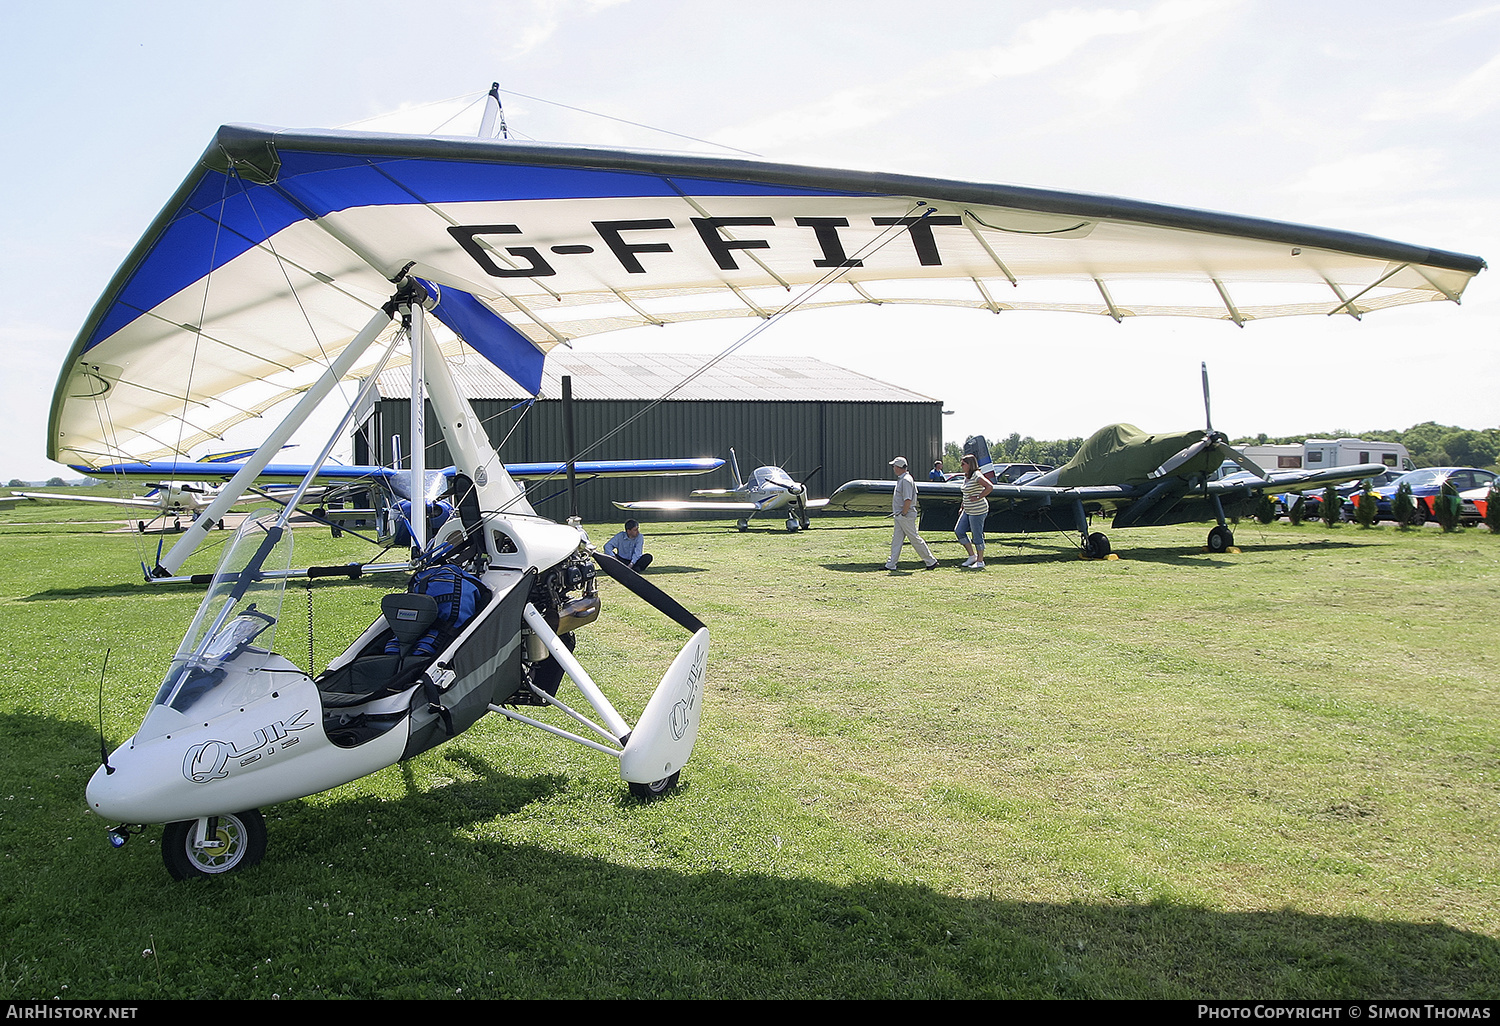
(899, 461)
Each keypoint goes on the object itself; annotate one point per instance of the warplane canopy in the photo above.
(280, 245)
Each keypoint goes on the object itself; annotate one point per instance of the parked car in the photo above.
(1425, 485)
(1312, 505)
(1475, 503)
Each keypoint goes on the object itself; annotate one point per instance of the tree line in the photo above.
(1430, 445)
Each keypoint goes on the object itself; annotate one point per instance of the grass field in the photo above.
(1264, 774)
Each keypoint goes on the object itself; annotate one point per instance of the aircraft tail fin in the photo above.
(977, 445)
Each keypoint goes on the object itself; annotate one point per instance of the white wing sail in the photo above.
(279, 247)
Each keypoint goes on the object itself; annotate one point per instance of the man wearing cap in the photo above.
(936, 473)
(904, 511)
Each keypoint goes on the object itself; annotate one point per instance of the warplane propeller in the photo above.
(288, 262)
(1141, 479)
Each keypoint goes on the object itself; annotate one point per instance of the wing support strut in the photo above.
(237, 486)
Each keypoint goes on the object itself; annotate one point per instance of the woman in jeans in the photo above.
(976, 506)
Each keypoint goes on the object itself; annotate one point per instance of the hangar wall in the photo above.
(848, 437)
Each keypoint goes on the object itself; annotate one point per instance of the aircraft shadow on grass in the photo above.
(724, 933)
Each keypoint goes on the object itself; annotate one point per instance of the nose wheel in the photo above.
(195, 848)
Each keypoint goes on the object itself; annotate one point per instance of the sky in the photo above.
(1377, 117)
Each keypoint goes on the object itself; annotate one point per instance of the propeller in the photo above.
(650, 593)
(1211, 440)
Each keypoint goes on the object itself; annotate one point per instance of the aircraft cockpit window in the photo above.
(219, 664)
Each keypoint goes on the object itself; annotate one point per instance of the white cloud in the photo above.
(1469, 97)
(1397, 171)
(1036, 46)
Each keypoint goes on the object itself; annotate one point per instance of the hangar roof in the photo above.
(646, 376)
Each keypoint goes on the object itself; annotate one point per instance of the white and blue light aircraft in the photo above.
(767, 490)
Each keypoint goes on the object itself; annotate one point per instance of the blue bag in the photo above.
(458, 594)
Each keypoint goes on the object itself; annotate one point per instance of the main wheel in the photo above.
(743, 525)
(239, 841)
(1220, 539)
(1096, 546)
(654, 790)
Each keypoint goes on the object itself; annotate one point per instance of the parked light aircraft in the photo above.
(170, 494)
(1140, 479)
(768, 490)
(348, 490)
(288, 262)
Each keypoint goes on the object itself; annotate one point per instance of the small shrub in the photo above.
(1265, 509)
(1447, 506)
(1366, 508)
(1331, 505)
(1403, 506)
(1492, 510)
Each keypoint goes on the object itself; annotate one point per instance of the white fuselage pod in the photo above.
(272, 750)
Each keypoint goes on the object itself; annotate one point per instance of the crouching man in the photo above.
(629, 547)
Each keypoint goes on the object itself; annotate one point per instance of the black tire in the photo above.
(1096, 546)
(242, 833)
(654, 790)
(743, 525)
(1220, 539)
(1418, 514)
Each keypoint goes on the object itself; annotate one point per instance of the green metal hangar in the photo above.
(794, 412)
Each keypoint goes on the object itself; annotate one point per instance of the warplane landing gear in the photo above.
(1096, 546)
(1220, 539)
(654, 790)
(230, 842)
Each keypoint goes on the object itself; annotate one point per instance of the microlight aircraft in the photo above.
(171, 493)
(289, 261)
(1141, 479)
(767, 490)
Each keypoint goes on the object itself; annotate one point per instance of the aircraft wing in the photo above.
(707, 507)
(875, 496)
(104, 499)
(616, 468)
(274, 473)
(279, 245)
(1297, 480)
(334, 474)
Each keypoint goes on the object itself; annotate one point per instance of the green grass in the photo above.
(1265, 774)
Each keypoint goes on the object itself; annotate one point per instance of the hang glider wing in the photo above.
(280, 245)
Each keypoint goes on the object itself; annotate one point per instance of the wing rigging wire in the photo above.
(202, 311)
(876, 244)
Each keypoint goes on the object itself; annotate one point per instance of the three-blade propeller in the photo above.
(1211, 440)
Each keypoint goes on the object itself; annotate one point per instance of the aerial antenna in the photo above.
(493, 111)
(103, 745)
